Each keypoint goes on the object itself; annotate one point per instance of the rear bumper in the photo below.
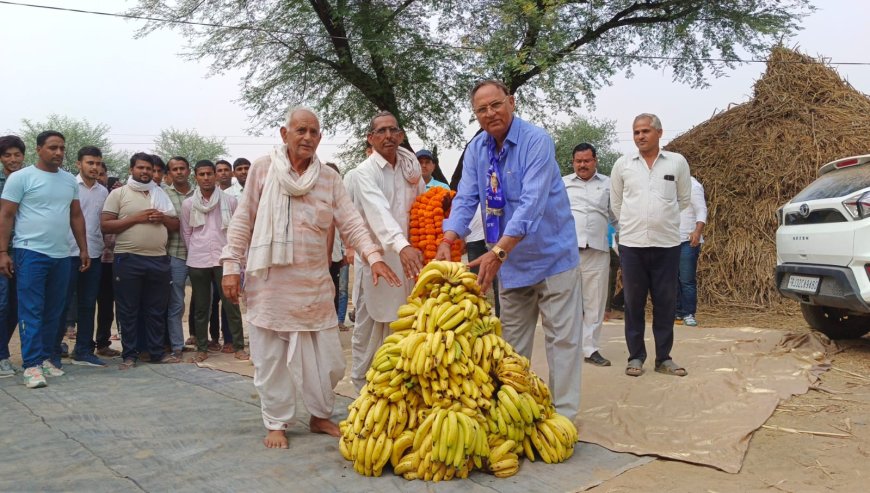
(837, 287)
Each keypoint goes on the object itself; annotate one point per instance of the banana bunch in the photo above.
(554, 438)
(445, 394)
(503, 460)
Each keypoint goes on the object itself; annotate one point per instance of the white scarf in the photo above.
(159, 199)
(200, 209)
(407, 162)
(272, 239)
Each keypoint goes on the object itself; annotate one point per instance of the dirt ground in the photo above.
(792, 453)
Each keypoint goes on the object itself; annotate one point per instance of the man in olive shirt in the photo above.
(141, 215)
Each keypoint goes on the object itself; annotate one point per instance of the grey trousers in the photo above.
(559, 301)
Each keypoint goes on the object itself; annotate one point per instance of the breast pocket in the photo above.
(664, 189)
(323, 215)
(513, 185)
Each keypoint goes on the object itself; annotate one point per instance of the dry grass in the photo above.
(754, 157)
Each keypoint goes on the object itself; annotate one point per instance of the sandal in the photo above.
(191, 341)
(170, 359)
(228, 348)
(127, 364)
(668, 367)
(200, 357)
(243, 355)
(214, 347)
(634, 368)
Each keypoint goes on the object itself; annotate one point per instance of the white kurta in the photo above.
(384, 199)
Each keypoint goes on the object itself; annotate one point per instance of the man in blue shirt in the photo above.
(428, 168)
(42, 203)
(510, 172)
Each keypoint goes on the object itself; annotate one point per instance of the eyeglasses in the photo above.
(383, 131)
(495, 106)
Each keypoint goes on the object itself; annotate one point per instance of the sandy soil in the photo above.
(780, 459)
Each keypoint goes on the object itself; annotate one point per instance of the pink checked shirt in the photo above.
(204, 243)
(297, 297)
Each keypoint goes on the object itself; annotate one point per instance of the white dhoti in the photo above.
(559, 301)
(284, 360)
(594, 270)
(368, 336)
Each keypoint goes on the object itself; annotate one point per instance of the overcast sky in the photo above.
(92, 67)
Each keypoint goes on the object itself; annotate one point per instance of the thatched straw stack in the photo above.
(756, 156)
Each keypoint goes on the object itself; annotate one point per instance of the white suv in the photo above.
(823, 249)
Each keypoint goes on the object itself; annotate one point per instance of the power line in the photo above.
(578, 55)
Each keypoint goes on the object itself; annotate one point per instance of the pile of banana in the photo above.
(445, 394)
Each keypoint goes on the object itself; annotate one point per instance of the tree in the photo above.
(601, 134)
(78, 134)
(418, 58)
(190, 145)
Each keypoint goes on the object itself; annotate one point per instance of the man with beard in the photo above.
(84, 286)
(384, 188)
(12, 158)
(42, 204)
(141, 215)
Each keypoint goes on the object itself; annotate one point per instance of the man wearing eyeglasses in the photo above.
(384, 188)
(510, 172)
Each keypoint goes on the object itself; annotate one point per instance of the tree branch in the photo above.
(399, 10)
(620, 19)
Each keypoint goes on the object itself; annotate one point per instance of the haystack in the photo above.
(754, 157)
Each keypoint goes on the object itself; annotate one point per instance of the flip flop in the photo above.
(668, 367)
(634, 368)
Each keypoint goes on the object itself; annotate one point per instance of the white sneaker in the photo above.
(49, 370)
(33, 378)
(6, 368)
(689, 320)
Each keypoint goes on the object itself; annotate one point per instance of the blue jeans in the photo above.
(687, 288)
(8, 314)
(178, 272)
(42, 287)
(342, 293)
(83, 290)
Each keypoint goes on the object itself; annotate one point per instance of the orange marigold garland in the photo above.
(427, 215)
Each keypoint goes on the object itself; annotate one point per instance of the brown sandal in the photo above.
(127, 364)
(243, 355)
(200, 357)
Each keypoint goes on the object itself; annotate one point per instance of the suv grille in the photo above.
(815, 217)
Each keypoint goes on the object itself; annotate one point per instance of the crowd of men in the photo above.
(279, 234)
(87, 248)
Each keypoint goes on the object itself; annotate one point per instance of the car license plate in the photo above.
(804, 284)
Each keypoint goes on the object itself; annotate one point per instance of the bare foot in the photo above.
(275, 439)
(321, 425)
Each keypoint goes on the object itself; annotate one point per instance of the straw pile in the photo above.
(755, 157)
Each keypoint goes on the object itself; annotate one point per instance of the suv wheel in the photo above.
(835, 323)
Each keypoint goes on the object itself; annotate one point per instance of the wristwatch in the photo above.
(499, 252)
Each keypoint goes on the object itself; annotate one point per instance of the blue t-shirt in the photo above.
(43, 199)
(435, 183)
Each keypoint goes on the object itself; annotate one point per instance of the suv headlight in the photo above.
(858, 205)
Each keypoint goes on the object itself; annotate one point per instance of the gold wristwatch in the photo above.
(499, 252)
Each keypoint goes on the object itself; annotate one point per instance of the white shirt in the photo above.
(590, 206)
(476, 227)
(647, 200)
(384, 200)
(234, 190)
(695, 213)
(91, 201)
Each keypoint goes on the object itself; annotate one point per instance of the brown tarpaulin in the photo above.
(736, 379)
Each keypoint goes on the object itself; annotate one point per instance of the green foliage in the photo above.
(190, 145)
(419, 58)
(601, 134)
(78, 133)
